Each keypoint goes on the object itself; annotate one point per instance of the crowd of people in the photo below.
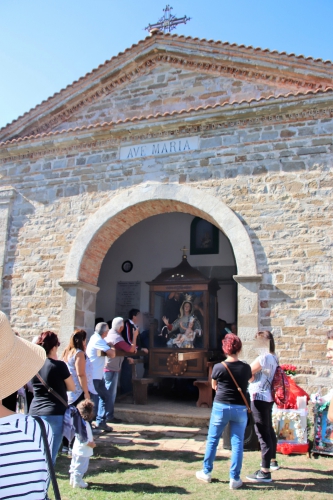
(87, 379)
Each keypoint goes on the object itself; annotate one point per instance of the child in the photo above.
(82, 451)
(186, 339)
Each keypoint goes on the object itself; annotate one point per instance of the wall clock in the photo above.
(127, 266)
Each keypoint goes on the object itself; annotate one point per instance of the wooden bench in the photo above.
(140, 385)
(205, 399)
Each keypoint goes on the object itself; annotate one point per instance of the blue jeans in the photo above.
(111, 383)
(56, 423)
(221, 415)
(100, 400)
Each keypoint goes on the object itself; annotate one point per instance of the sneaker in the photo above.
(260, 477)
(274, 465)
(103, 426)
(64, 450)
(206, 478)
(80, 484)
(115, 420)
(235, 484)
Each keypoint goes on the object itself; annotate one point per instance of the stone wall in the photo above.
(277, 179)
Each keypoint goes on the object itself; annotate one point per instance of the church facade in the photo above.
(237, 136)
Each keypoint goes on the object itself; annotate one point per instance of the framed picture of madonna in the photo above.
(323, 431)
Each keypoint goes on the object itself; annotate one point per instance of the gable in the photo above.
(167, 88)
(169, 73)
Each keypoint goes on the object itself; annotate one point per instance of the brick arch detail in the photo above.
(110, 221)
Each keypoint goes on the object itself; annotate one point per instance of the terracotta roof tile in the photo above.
(217, 42)
(165, 114)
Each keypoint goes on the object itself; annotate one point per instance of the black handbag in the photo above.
(40, 422)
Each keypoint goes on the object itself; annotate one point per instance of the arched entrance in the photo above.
(130, 207)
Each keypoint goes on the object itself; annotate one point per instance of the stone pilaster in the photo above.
(248, 312)
(78, 308)
(7, 195)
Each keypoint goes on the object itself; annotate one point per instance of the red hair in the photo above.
(48, 340)
(231, 344)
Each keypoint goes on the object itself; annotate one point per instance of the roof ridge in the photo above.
(166, 113)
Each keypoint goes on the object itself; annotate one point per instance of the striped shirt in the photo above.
(23, 467)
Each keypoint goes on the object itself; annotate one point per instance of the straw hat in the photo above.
(20, 360)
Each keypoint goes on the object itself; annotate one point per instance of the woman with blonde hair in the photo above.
(79, 367)
(75, 359)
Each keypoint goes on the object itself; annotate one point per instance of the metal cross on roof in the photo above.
(168, 22)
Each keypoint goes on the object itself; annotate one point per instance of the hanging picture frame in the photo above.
(204, 237)
(323, 431)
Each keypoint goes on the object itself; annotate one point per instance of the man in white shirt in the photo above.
(95, 344)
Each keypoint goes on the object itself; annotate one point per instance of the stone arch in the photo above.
(130, 207)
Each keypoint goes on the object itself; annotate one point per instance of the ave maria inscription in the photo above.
(159, 148)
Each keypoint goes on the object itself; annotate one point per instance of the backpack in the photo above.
(280, 388)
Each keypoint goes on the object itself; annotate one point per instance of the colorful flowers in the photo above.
(289, 369)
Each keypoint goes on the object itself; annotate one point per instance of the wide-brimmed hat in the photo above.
(20, 360)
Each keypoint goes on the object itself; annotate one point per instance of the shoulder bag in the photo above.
(50, 466)
(52, 391)
(247, 404)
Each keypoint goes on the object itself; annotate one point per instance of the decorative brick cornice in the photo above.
(121, 133)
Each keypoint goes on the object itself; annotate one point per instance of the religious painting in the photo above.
(323, 431)
(287, 431)
(179, 319)
(204, 237)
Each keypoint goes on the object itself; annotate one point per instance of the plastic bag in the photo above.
(295, 391)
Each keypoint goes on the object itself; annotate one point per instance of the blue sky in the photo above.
(47, 44)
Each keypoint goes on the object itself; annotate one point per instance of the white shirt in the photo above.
(261, 388)
(23, 466)
(97, 343)
(81, 449)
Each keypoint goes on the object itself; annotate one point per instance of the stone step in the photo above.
(159, 411)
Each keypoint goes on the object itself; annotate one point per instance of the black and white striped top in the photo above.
(23, 467)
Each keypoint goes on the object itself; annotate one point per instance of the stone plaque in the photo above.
(159, 148)
(128, 297)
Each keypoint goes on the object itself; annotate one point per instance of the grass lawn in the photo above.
(145, 462)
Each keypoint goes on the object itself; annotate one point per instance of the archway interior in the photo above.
(153, 245)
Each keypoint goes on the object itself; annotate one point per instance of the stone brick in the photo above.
(287, 133)
(293, 166)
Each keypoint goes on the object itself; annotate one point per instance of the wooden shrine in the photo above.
(183, 335)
